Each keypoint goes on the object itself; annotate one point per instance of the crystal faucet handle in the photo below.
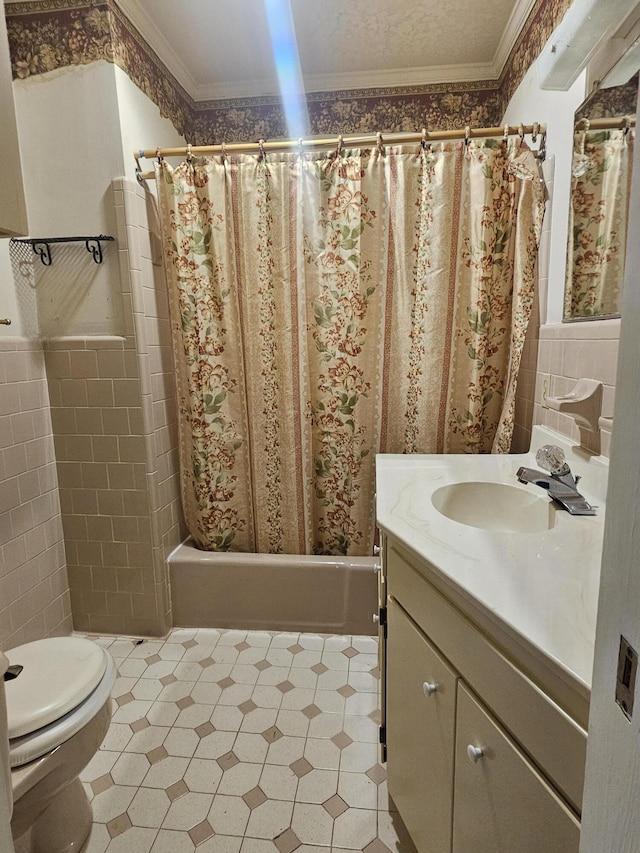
(551, 458)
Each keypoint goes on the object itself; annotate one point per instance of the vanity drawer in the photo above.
(555, 742)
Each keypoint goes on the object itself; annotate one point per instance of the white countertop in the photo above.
(543, 585)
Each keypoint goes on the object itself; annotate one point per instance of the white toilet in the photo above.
(58, 713)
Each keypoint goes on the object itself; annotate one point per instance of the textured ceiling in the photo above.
(222, 49)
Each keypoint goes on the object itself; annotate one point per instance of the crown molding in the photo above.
(389, 78)
(147, 28)
(515, 25)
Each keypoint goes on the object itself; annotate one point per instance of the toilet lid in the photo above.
(58, 674)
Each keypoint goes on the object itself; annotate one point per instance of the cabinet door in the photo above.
(421, 701)
(501, 803)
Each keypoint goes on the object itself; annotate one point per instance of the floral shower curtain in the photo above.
(598, 222)
(327, 307)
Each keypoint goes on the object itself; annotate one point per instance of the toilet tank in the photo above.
(6, 800)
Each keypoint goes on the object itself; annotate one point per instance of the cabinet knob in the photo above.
(429, 688)
(376, 550)
(375, 618)
(475, 753)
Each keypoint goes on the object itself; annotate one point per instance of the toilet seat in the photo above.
(58, 674)
(64, 683)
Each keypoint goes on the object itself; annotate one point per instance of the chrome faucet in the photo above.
(559, 482)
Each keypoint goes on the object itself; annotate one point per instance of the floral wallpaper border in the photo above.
(542, 21)
(48, 34)
(615, 101)
(356, 111)
(145, 69)
(42, 41)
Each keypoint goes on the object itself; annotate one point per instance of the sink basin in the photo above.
(496, 506)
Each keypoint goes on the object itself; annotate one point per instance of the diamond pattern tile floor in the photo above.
(243, 742)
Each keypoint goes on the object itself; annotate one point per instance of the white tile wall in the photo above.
(114, 418)
(34, 593)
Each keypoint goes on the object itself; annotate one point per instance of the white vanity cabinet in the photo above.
(480, 758)
(13, 212)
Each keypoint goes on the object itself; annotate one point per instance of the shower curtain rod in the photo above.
(378, 139)
(585, 124)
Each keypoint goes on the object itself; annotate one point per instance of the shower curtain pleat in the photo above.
(329, 307)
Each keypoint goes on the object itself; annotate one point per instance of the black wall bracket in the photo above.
(42, 246)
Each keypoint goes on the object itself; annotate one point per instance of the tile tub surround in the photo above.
(243, 742)
(114, 417)
(144, 291)
(34, 593)
(101, 454)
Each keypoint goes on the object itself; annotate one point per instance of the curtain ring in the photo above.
(339, 146)
(261, 154)
(380, 143)
(467, 135)
(583, 140)
(534, 132)
(159, 155)
(626, 124)
(425, 137)
(189, 154)
(300, 147)
(521, 132)
(223, 152)
(505, 134)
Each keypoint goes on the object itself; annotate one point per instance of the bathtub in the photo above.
(274, 592)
